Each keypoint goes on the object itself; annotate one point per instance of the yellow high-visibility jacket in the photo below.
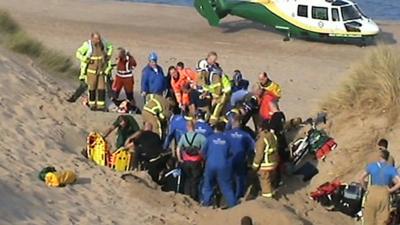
(84, 53)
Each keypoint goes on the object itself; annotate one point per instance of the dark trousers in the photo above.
(193, 172)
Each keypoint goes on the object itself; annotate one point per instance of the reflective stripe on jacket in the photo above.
(84, 54)
(266, 157)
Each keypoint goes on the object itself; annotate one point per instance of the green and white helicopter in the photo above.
(323, 20)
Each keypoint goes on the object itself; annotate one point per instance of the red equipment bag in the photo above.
(329, 146)
(325, 189)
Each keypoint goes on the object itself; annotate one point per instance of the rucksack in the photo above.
(190, 149)
(350, 199)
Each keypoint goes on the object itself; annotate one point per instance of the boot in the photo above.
(101, 100)
(78, 92)
(92, 100)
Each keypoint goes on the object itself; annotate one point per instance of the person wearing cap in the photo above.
(266, 159)
(153, 79)
(238, 83)
(201, 125)
(94, 56)
(382, 176)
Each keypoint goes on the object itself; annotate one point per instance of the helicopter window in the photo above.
(320, 13)
(302, 11)
(350, 13)
(335, 15)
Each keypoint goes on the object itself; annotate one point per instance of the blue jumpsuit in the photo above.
(203, 128)
(242, 150)
(177, 127)
(217, 153)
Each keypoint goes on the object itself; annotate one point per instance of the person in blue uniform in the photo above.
(201, 125)
(377, 202)
(243, 151)
(217, 153)
(177, 127)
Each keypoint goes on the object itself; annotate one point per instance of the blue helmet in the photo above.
(153, 57)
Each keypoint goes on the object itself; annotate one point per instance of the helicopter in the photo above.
(320, 20)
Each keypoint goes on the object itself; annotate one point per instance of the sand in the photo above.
(39, 128)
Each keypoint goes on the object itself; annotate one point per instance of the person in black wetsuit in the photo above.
(148, 152)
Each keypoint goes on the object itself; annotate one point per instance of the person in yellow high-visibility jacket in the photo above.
(94, 56)
(266, 159)
(219, 86)
(269, 86)
(157, 112)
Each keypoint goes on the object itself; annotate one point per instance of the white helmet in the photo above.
(202, 65)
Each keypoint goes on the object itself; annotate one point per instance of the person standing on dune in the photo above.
(94, 56)
(153, 79)
(377, 201)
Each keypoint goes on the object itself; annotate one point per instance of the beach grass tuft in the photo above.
(15, 39)
(373, 86)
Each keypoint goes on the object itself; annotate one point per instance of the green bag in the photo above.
(44, 171)
(317, 139)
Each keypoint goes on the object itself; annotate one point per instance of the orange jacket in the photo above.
(177, 86)
(191, 75)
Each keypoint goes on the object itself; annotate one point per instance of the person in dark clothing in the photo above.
(170, 91)
(127, 126)
(238, 83)
(148, 151)
(199, 101)
(277, 123)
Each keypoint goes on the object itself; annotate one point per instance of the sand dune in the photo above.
(40, 129)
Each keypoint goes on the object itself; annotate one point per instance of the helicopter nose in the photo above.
(371, 27)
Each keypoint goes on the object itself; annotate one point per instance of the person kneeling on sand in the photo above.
(148, 151)
(127, 126)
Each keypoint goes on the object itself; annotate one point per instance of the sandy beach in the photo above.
(39, 128)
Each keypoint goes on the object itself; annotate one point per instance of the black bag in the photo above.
(191, 150)
(350, 199)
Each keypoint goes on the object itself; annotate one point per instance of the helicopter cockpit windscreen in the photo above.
(350, 12)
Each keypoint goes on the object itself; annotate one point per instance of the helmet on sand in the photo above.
(153, 57)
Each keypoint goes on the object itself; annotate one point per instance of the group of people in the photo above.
(197, 120)
(194, 119)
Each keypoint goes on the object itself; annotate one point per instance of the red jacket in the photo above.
(125, 66)
(265, 110)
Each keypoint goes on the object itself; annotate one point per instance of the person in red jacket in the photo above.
(125, 64)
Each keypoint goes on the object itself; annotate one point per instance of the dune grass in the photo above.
(373, 86)
(15, 39)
